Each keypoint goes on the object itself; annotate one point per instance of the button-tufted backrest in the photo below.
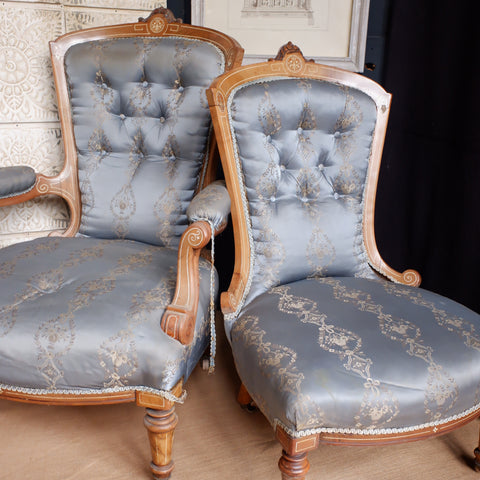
(302, 148)
(141, 125)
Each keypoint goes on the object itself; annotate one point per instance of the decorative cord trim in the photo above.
(91, 391)
(213, 333)
(374, 431)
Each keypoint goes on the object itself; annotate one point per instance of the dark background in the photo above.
(426, 54)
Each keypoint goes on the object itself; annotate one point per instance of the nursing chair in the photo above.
(330, 343)
(116, 308)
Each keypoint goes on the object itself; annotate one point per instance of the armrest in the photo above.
(16, 181)
(178, 321)
(212, 205)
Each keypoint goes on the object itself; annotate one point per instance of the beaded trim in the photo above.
(213, 333)
(90, 391)
(374, 431)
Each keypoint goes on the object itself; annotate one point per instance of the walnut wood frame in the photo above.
(179, 318)
(290, 62)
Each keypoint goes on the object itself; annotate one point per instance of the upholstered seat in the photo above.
(92, 308)
(120, 307)
(330, 343)
(358, 355)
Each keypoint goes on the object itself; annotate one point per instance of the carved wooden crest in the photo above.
(159, 18)
(293, 57)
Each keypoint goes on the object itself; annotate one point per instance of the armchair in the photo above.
(116, 309)
(330, 343)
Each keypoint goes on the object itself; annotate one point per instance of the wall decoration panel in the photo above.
(77, 19)
(26, 89)
(29, 127)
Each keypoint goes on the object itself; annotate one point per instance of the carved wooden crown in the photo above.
(165, 12)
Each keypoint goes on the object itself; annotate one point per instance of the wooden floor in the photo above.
(215, 440)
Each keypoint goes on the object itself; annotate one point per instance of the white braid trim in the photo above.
(91, 391)
(374, 431)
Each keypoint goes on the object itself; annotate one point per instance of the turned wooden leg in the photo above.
(293, 467)
(245, 400)
(477, 457)
(161, 425)
(293, 463)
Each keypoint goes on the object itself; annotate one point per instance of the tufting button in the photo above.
(336, 196)
(162, 119)
(180, 89)
(171, 158)
(299, 130)
(321, 167)
(122, 116)
(269, 138)
(282, 167)
(336, 134)
(304, 199)
(145, 84)
(104, 85)
(272, 199)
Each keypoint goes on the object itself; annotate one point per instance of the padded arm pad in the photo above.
(16, 180)
(211, 204)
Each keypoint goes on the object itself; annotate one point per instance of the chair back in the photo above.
(136, 123)
(301, 146)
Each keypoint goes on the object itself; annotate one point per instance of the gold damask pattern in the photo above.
(452, 323)
(55, 337)
(118, 355)
(40, 284)
(281, 360)
(268, 245)
(167, 208)
(378, 406)
(441, 391)
(30, 250)
(310, 175)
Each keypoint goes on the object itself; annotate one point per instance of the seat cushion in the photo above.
(84, 314)
(354, 355)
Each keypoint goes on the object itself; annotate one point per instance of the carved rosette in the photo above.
(159, 19)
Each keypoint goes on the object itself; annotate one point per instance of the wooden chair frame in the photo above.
(290, 63)
(179, 318)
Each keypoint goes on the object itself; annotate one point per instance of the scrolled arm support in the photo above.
(178, 321)
(63, 185)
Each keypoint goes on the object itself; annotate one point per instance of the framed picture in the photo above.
(332, 32)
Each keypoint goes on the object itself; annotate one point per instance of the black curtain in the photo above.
(427, 214)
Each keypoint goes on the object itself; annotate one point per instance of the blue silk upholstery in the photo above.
(211, 204)
(16, 180)
(141, 123)
(345, 353)
(319, 340)
(303, 150)
(84, 314)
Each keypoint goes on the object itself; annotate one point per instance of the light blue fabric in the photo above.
(82, 313)
(211, 204)
(142, 124)
(351, 353)
(16, 180)
(303, 148)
